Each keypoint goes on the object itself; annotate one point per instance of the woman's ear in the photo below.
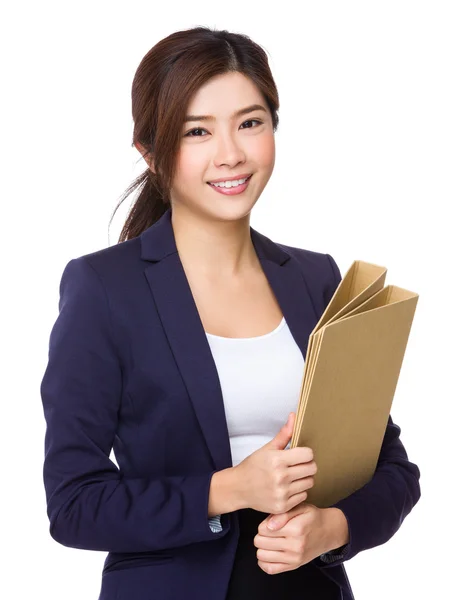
(147, 157)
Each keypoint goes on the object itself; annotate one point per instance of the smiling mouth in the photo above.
(225, 187)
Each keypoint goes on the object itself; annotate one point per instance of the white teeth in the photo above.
(229, 184)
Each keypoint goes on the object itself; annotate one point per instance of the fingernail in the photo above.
(272, 524)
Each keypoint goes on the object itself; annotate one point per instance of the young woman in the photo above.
(182, 348)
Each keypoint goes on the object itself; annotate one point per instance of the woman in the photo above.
(182, 349)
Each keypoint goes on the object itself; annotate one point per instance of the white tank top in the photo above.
(260, 379)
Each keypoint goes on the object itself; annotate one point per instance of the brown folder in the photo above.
(352, 365)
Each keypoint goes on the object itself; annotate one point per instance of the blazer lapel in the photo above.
(183, 327)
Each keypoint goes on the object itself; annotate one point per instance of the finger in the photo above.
(274, 568)
(270, 556)
(283, 518)
(301, 485)
(264, 530)
(269, 543)
(277, 531)
(302, 470)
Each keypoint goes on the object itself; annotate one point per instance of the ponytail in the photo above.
(149, 206)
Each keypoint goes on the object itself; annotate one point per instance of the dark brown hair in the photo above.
(168, 76)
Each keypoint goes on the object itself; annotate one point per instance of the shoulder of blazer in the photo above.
(319, 269)
(311, 259)
(306, 256)
(116, 260)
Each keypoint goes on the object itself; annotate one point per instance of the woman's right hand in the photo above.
(274, 480)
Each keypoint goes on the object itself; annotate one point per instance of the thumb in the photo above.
(281, 440)
(275, 522)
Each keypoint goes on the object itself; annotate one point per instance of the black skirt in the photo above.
(249, 582)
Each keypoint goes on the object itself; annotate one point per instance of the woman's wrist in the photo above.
(225, 492)
(337, 528)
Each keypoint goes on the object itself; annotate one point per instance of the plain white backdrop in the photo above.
(375, 160)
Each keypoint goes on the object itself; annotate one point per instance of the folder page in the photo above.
(355, 363)
(361, 281)
(312, 351)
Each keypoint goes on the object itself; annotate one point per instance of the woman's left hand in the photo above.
(302, 534)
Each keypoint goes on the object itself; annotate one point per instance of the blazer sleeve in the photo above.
(376, 511)
(90, 503)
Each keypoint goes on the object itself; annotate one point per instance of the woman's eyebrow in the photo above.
(238, 113)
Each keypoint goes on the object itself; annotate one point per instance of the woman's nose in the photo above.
(228, 151)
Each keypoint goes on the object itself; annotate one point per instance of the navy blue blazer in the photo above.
(129, 368)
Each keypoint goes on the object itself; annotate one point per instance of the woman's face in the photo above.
(222, 147)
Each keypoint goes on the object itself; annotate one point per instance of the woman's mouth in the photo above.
(232, 190)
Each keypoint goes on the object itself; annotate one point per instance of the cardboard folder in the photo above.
(352, 365)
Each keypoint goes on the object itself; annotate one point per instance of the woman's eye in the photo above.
(251, 121)
(189, 133)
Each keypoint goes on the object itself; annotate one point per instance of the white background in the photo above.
(375, 161)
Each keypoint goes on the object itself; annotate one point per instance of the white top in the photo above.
(260, 379)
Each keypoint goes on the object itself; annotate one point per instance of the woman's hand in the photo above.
(302, 534)
(274, 479)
